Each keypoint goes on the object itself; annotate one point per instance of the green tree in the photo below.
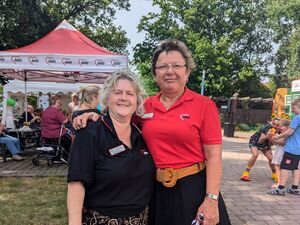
(25, 21)
(284, 19)
(229, 39)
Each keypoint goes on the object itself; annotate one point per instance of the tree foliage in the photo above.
(284, 19)
(25, 21)
(229, 39)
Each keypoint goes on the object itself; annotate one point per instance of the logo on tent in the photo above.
(50, 60)
(66, 61)
(83, 62)
(99, 62)
(16, 59)
(33, 59)
(115, 62)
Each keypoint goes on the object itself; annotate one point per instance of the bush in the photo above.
(246, 127)
(222, 118)
(243, 127)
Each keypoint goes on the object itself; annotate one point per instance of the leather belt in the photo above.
(169, 176)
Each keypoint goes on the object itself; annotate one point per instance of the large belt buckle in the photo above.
(169, 183)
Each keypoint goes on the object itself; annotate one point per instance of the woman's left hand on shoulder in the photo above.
(209, 208)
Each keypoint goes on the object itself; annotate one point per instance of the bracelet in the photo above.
(212, 196)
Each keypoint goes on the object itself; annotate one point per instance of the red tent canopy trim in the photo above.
(63, 55)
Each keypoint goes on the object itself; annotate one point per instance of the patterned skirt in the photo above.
(92, 217)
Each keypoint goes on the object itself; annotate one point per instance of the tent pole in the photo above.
(25, 80)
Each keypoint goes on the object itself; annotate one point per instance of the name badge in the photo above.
(116, 150)
(147, 115)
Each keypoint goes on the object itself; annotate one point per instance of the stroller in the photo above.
(50, 150)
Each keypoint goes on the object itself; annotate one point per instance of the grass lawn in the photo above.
(32, 201)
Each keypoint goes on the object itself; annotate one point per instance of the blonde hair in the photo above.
(110, 83)
(284, 122)
(74, 95)
(86, 94)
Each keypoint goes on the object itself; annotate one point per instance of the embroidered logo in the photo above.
(147, 115)
(144, 152)
(184, 116)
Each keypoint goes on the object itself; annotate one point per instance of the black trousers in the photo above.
(179, 205)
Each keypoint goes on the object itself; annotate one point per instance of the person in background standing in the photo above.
(259, 141)
(74, 105)
(291, 156)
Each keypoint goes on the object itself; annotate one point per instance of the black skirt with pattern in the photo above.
(93, 217)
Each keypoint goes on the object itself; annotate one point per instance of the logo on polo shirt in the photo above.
(144, 152)
(147, 115)
(184, 116)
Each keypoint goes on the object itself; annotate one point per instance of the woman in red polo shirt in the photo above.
(182, 130)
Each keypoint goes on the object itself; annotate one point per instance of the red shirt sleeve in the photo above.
(210, 130)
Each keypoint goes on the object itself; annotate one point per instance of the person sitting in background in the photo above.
(31, 118)
(13, 144)
(52, 120)
(38, 112)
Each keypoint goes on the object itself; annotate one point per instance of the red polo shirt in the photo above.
(175, 136)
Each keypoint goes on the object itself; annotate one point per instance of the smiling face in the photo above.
(171, 72)
(122, 101)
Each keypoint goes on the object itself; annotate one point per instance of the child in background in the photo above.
(279, 147)
(291, 156)
(260, 142)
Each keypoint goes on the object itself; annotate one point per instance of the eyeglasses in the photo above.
(164, 68)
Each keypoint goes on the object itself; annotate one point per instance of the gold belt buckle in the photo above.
(173, 180)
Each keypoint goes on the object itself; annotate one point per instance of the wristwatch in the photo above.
(212, 196)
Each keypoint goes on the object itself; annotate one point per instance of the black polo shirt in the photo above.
(118, 181)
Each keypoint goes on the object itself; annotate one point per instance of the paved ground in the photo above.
(247, 202)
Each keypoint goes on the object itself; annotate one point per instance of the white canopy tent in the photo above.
(15, 89)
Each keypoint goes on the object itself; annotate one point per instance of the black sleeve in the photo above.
(82, 157)
(80, 112)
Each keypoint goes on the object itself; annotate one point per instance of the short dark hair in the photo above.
(169, 45)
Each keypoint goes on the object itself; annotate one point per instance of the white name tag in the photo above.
(147, 115)
(116, 150)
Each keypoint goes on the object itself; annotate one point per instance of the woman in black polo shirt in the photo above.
(111, 172)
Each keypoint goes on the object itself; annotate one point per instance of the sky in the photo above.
(129, 21)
